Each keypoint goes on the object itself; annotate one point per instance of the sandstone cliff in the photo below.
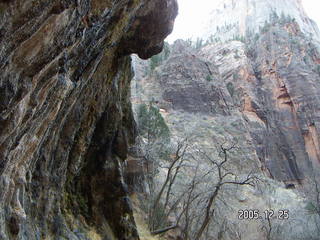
(259, 89)
(65, 114)
(270, 80)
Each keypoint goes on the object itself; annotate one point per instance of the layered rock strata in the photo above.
(65, 113)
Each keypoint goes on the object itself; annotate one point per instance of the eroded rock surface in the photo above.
(264, 91)
(65, 113)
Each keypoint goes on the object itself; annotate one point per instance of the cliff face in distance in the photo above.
(260, 90)
(65, 114)
(279, 80)
(270, 79)
(284, 95)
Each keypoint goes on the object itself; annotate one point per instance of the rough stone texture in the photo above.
(267, 87)
(271, 86)
(191, 91)
(65, 113)
(285, 96)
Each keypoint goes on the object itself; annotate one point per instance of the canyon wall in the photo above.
(260, 91)
(260, 95)
(268, 81)
(65, 113)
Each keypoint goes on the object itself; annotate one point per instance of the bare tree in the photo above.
(187, 212)
(159, 207)
(224, 177)
(191, 200)
(268, 229)
(171, 173)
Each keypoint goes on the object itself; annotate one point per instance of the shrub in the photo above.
(151, 123)
(318, 69)
(311, 208)
(209, 78)
(237, 56)
(230, 88)
(155, 61)
(199, 43)
(235, 76)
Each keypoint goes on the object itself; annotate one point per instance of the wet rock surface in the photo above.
(65, 113)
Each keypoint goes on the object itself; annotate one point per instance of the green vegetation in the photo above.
(274, 17)
(230, 88)
(235, 76)
(239, 38)
(225, 52)
(237, 56)
(209, 78)
(318, 69)
(311, 208)
(294, 42)
(199, 43)
(256, 37)
(312, 50)
(166, 50)
(213, 39)
(273, 20)
(268, 46)
(156, 60)
(189, 42)
(265, 27)
(151, 124)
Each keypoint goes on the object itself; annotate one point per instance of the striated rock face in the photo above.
(65, 114)
(262, 94)
(263, 91)
(284, 94)
(193, 94)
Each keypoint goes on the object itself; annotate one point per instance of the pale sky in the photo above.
(312, 8)
(192, 13)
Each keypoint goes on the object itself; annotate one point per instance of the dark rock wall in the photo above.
(187, 82)
(65, 114)
(286, 98)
